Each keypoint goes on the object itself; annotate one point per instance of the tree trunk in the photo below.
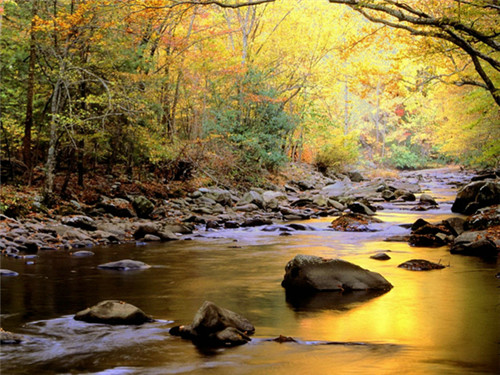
(28, 122)
(51, 156)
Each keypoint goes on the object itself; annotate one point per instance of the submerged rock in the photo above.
(420, 265)
(308, 272)
(9, 338)
(6, 272)
(216, 326)
(124, 265)
(113, 312)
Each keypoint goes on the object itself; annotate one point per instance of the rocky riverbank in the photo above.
(352, 198)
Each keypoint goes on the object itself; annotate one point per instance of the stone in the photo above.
(8, 273)
(80, 221)
(273, 199)
(484, 218)
(124, 265)
(420, 265)
(388, 195)
(251, 197)
(216, 326)
(380, 256)
(360, 208)
(256, 222)
(474, 243)
(455, 225)
(113, 312)
(427, 200)
(143, 206)
(354, 222)
(116, 207)
(151, 238)
(83, 253)
(476, 195)
(9, 338)
(312, 273)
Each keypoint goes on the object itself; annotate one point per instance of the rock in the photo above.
(388, 195)
(124, 265)
(143, 206)
(221, 196)
(273, 199)
(6, 272)
(151, 238)
(427, 200)
(113, 312)
(83, 253)
(380, 256)
(281, 339)
(360, 208)
(230, 224)
(251, 197)
(420, 265)
(397, 238)
(354, 222)
(425, 234)
(9, 338)
(455, 225)
(80, 221)
(474, 243)
(337, 189)
(146, 228)
(307, 272)
(355, 177)
(405, 195)
(484, 218)
(256, 222)
(116, 207)
(250, 207)
(476, 195)
(216, 326)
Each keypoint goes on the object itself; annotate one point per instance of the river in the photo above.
(436, 322)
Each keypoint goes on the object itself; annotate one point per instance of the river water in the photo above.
(436, 322)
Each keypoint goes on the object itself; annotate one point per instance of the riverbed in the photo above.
(436, 322)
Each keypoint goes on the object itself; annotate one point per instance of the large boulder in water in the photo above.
(476, 195)
(113, 312)
(308, 272)
(216, 326)
(475, 243)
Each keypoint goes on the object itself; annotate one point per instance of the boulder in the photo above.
(83, 253)
(113, 312)
(251, 197)
(116, 206)
(427, 200)
(337, 189)
(354, 222)
(312, 273)
(273, 199)
(361, 208)
(221, 196)
(474, 243)
(143, 206)
(420, 265)
(80, 221)
(380, 256)
(476, 195)
(216, 326)
(455, 225)
(124, 265)
(484, 218)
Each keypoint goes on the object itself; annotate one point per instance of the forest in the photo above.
(228, 92)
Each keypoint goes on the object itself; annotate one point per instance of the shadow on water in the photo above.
(340, 301)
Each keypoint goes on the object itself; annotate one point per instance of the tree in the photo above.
(470, 28)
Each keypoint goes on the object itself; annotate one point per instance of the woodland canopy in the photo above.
(232, 88)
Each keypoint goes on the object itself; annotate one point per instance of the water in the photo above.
(437, 322)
